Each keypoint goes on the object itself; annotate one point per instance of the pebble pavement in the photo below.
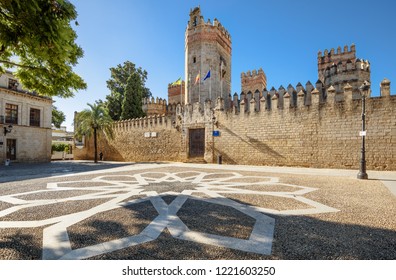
(81, 210)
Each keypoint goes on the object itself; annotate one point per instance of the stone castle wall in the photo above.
(253, 81)
(309, 131)
(342, 67)
(145, 139)
(153, 106)
(176, 93)
(310, 134)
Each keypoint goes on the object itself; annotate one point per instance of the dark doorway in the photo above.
(11, 149)
(197, 142)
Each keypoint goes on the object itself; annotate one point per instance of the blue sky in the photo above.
(283, 37)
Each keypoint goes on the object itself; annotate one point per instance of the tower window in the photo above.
(194, 59)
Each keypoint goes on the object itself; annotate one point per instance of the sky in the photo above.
(282, 37)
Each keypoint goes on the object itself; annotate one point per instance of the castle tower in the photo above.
(343, 67)
(153, 107)
(207, 47)
(176, 93)
(253, 81)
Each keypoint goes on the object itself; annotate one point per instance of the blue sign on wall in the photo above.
(216, 133)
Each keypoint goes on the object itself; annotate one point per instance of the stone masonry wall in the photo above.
(324, 135)
(33, 143)
(280, 131)
(146, 139)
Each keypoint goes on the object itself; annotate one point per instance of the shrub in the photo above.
(59, 147)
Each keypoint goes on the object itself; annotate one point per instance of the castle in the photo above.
(316, 125)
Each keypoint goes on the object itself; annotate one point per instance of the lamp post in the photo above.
(7, 129)
(95, 127)
(364, 89)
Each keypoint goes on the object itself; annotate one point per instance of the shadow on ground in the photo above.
(296, 237)
(26, 171)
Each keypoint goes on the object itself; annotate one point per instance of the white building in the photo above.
(25, 123)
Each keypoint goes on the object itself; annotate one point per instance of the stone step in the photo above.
(196, 160)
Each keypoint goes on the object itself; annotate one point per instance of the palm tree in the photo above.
(89, 121)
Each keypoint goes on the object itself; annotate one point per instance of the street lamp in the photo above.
(364, 89)
(7, 129)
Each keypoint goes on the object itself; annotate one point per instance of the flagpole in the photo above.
(221, 79)
(199, 87)
(210, 87)
(189, 89)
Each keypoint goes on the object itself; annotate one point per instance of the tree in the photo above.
(58, 117)
(132, 102)
(91, 121)
(127, 84)
(37, 40)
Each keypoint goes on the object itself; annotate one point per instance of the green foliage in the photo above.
(96, 116)
(58, 117)
(93, 122)
(59, 147)
(127, 86)
(36, 38)
(132, 102)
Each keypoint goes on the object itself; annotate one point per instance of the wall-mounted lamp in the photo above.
(7, 129)
(215, 122)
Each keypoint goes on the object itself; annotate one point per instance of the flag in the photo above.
(197, 78)
(178, 82)
(207, 76)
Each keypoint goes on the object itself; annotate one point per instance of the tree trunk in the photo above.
(96, 146)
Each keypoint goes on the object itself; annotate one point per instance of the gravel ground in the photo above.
(219, 220)
(113, 224)
(267, 201)
(21, 243)
(37, 213)
(52, 195)
(363, 228)
(167, 248)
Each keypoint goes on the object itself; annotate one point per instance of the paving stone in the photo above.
(191, 211)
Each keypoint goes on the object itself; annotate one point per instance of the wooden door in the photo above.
(197, 142)
(11, 149)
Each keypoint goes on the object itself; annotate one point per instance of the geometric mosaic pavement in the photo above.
(166, 195)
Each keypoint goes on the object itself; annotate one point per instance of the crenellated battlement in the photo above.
(198, 21)
(298, 97)
(331, 55)
(154, 101)
(252, 73)
(154, 121)
(176, 92)
(153, 106)
(338, 68)
(251, 81)
(328, 59)
(173, 85)
(271, 100)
